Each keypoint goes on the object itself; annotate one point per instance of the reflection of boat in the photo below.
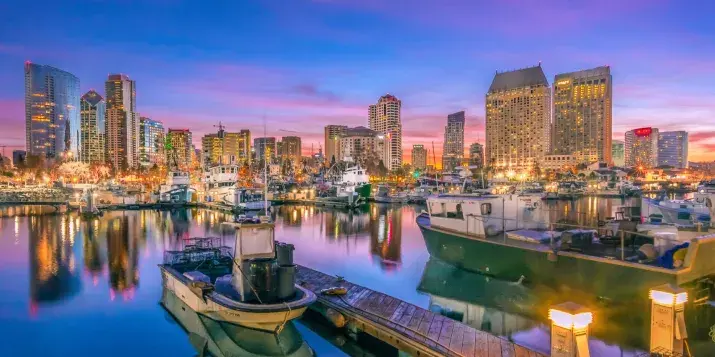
(225, 339)
(467, 232)
(255, 290)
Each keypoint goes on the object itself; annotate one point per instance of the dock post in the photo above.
(667, 319)
(569, 330)
(623, 245)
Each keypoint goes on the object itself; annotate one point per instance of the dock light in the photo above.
(569, 330)
(667, 319)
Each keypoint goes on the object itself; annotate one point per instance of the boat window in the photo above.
(486, 209)
(456, 213)
(708, 203)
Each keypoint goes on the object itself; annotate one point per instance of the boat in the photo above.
(608, 189)
(684, 212)
(254, 287)
(221, 186)
(420, 193)
(383, 195)
(354, 180)
(509, 238)
(177, 188)
(569, 190)
(222, 339)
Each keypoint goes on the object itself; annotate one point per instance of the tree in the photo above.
(381, 169)
(74, 170)
(536, 171)
(244, 178)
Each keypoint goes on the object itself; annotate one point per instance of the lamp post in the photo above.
(667, 319)
(569, 330)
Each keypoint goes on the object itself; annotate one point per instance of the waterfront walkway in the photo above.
(407, 327)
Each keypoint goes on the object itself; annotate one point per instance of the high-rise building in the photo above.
(453, 151)
(180, 151)
(384, 117)
(52, 121)
(583, 106)
(332, 140)
(265, 148)
(518, 107)
(151, 142)
(122, 132)
(19, 157)
(362, 145)
(476, 155)
(291, 149)
(641, 147)
(227, 148)
(673, 149)
(618, 153)
(419, 157)
(92, 126)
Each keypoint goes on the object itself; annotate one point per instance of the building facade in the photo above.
(419, 157)
(19, 157)
(618, 153)
(291, 149)
(265, 148)
(384, 117)
(151, 142)
(558, 162)
(179, 151)
(92, 128)
(122, 130)
(362, 145)
(227, 148)
(332, 140)
(476, 155)
(673, 149)
(517, 119)
(641, 148)
(582, 115)
(52, 105)
(453, 151)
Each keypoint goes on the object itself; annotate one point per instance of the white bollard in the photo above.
(569, 330)
(667, 320)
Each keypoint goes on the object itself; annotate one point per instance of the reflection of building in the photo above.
(386, 235)
(53, 270)
(518, 118)
(582, 115)
(419, 157)
(641, 147)
(453, 142)
(94, 256)
(618, 153)
(265, 148)
(384, 117)
(122, 131)
(92, 126)
(123, 255)
(180, 152)
(673, 149)
(343, 224)
(332, 141)
(51, 111)
(151, 139)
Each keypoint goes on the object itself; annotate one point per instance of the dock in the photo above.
(405, 326)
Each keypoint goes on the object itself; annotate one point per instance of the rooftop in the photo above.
(520, 78)
(92, 97)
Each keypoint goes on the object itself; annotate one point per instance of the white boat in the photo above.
(177, 188)
(254, 287)
(354, 182)
(384, 195)
(221, 186)
(690, 212)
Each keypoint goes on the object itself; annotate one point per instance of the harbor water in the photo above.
(92, 287)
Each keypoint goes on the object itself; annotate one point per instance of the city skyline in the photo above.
(328, 74)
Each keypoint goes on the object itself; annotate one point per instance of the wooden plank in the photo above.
(455, 343)
(445, 334)
(387, 313)
(468, 342)
(414, 322)
(481, 344)
(507, 349)
(406, 315)
(435, 328)
(494, 346)
(423, 327)
(521, 351)
(398, 312)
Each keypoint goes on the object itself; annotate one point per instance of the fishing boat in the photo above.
(254, 287)
(354, 180)
(384, 195)
(570, 190)
(221, 186)
(509, 238)
(177, 188)
(420, 193)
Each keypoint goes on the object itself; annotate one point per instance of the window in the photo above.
(486, 209)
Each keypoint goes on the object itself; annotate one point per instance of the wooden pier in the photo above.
(407, 327)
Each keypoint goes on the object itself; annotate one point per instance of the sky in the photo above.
(303, 64)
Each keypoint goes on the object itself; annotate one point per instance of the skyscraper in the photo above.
(518, 119)
(618, 153)
(384, 117)
(227, 148)
(332, 140)
(52, 122)
(180, 149)
(265, 148)
(419, 157)
(92, 126)
(641, 147)
(151, 142)
(291, 149)
(673, 149)
(122, 133)
(453, 151)
(476, 155)
(362, 145)
(582, 124)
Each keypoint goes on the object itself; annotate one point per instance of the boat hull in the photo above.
(611, 279)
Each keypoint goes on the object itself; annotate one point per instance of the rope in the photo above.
(244, 275)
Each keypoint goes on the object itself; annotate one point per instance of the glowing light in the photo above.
(668, 298)
(569, 320)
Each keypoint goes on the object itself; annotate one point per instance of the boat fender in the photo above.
(337, 319)
(335, 291)
(491, 230)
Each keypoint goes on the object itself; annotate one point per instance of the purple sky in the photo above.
(305, 64)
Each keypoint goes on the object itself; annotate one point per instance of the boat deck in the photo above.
(407, 327)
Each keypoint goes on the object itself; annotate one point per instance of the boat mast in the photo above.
(265, 169)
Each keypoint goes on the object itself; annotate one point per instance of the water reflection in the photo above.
(122, 244)
(386, 235)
